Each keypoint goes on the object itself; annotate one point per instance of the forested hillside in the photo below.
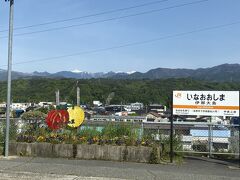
(126, 91)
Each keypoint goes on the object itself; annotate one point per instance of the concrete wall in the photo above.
(41, 149)
(104, 152)
(115, 153)
(83, 151)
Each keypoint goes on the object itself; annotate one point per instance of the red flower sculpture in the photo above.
(56, 119)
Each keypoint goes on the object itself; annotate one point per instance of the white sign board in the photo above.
(206, 103)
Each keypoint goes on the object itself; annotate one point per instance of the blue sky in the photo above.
(203, 49)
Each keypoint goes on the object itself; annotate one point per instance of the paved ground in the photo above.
(50, 168)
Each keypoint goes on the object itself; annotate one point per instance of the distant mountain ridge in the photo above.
(62, 74)
(221, 73)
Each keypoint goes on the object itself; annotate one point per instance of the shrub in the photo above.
(177, 146)
(34, 119)
(154, 156)
(119, 130)
(43, 110)
(34, 115)
(89, 133)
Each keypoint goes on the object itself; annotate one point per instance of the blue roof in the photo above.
(216, 133)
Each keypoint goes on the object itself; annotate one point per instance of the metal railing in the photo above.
(189, 137)
(211, 139)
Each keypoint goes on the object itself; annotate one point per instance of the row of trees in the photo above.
(126, 91)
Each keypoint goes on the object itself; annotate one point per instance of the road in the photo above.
(57, 168)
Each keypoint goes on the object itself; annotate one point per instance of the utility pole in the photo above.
(57, 98)
(171, 130)
(78, 96)
(9, 80)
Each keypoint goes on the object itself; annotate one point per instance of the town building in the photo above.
(45, 104)
(20, 106)
(134, 107)
(158, 108)
(155, 117)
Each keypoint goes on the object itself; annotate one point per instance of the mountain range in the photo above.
(220, 73)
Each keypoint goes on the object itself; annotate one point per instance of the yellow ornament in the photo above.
(76, 116)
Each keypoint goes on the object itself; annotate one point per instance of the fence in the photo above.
(195, 138)
(213, 140)
(207, 138)
(15, 124)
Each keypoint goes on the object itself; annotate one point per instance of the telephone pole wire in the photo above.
(9, 80)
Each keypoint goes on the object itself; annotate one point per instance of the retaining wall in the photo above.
(83, 151)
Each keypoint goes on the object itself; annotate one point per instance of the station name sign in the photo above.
(206, 103)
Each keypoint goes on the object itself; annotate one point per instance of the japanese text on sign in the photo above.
(210, 103)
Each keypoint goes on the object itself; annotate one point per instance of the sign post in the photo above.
(171, 132)
(239, 133)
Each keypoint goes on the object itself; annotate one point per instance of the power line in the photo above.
(129, 44)
(90, 15)
(110, 19)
